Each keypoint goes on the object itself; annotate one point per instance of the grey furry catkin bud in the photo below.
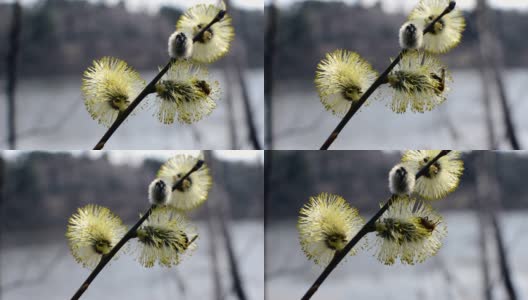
(411, 36)
(159, 192)
(401, 180)
(180, 45)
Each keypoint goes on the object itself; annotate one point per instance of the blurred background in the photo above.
(41, 190)
(484, 107)
(484, 251)
(47, 44)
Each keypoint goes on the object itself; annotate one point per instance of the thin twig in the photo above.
(132, 233)
(41, 130)
(307, 128)
(238, 286)
(362, 232)
(377, 83)
(248, 112)
(36, 277)
(149, 88)
(505, 269)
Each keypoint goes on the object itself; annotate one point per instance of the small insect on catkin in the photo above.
(180, 45)
(401, 180)
(411, 36)
(159, 192)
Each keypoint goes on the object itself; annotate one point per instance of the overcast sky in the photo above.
(395, 5)
(153, 5)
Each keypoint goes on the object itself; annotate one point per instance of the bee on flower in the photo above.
(419, 81)
(108, 88)
(326, 224)
(446, 33)
(186, 90)
(341, 79)
(193, 190)
(443, 176)
(409, 230)
(215, 41)
(92, 232)
(164, 237)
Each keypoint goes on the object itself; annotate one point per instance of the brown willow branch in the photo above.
(377, 83)
(149, 88)
(339, 255)
(132, 233)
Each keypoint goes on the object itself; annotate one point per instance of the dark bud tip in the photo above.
(452, 5)
(199, 164)
(222, 13)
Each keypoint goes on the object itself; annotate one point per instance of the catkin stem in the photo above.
(338, 257)
(132, 233)
(149, 88)
(377, 83)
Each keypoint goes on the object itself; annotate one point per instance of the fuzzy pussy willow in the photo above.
(411, 85)
(164, 235)
(187, 114)
(409, 230)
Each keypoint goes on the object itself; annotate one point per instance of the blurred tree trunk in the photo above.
(3, 197)
(238, 62)
(489, 200)
(482, 193)
(505, 269)
(486, 98)
(230, 112)
(212, 217)
(180, 283)
(238, 286)
(250, 119)
(269, 52)
(213, 246)
(12, 54)
(2, 190)
(491, 54)
(223, 213)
